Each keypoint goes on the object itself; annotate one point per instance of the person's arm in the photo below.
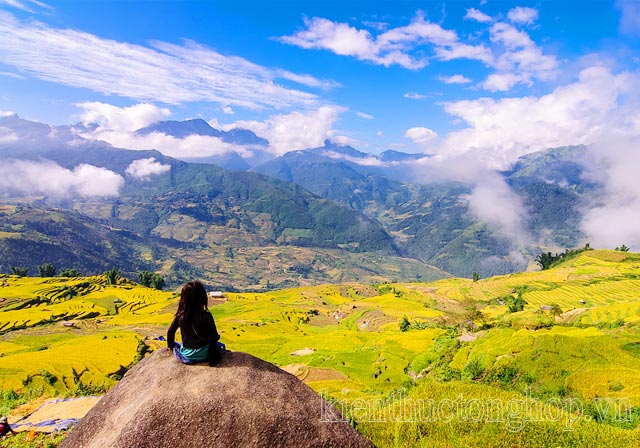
(212, 331)
(171, 333)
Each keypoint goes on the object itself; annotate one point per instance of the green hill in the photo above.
(565, 366)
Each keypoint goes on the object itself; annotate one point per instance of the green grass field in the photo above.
(541, 370)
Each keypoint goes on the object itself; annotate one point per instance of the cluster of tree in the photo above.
(151, 280)
(548, 260)
(622, 248)
(146, 278)
(45, 270)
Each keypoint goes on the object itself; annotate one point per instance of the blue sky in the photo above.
(412, 76)
(474, 84)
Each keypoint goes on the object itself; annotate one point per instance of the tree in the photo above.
(144, 278)
(47, 270)
(476, 276)
(20, 272)
(515, 304)
(151, 280)
(623, 248)
(405, 325)
(157, 282)
(113, 275)
(545, 260)
(68, 272)
(555, 309)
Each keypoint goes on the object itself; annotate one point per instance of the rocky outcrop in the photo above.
(242, 402)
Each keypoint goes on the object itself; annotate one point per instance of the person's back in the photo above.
(197, 327)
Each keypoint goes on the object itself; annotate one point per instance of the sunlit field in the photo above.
(374, 349)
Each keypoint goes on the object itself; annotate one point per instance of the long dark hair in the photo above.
(193, 299)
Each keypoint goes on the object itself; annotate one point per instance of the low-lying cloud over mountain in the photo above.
(145, 168)
(50, 179)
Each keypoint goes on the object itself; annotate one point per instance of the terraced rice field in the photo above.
(345, 341)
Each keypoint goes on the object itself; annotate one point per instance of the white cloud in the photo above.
(523, 15)
(510, 127)
(50, 179)
(455, 79)
(25, 5)
(6, 113)
(145, 168)
(414, 96)
(491, 200)
(365, 116)
(294, 131)
(227, 110)
(345, 140)
(460, 50)
(6, 134)
(379, 134)
(514, 56)
(592, 110)
(192, 146)
(12, 75)
(500, 82)
(630, 16)
(167, 73)
(521, 61)
(421, 135)
(612, 220)
(391, 47)
(345, 40)
(122, 118)
(479, 16)
(308, 80)
(370, 160)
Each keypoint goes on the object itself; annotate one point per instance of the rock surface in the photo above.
(242, 402)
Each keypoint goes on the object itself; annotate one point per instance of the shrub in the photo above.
(473, 370)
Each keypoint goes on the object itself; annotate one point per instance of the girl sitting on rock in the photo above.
(199, 334)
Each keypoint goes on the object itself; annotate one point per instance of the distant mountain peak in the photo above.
(391, 155)
(341, 149)
(181, 129)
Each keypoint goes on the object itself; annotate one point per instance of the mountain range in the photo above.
(184, 216)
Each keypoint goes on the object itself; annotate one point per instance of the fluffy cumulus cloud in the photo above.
(163, 72)
(116, 118)
(523, 15)
(479, 16)
(510, 53)
(391, 47)
(294, 131)
(50, 179)
(521, 60)
(508, 128)
(421, 135)
(190, 147)
(143, 169)
(116, 125)
(599, 109)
